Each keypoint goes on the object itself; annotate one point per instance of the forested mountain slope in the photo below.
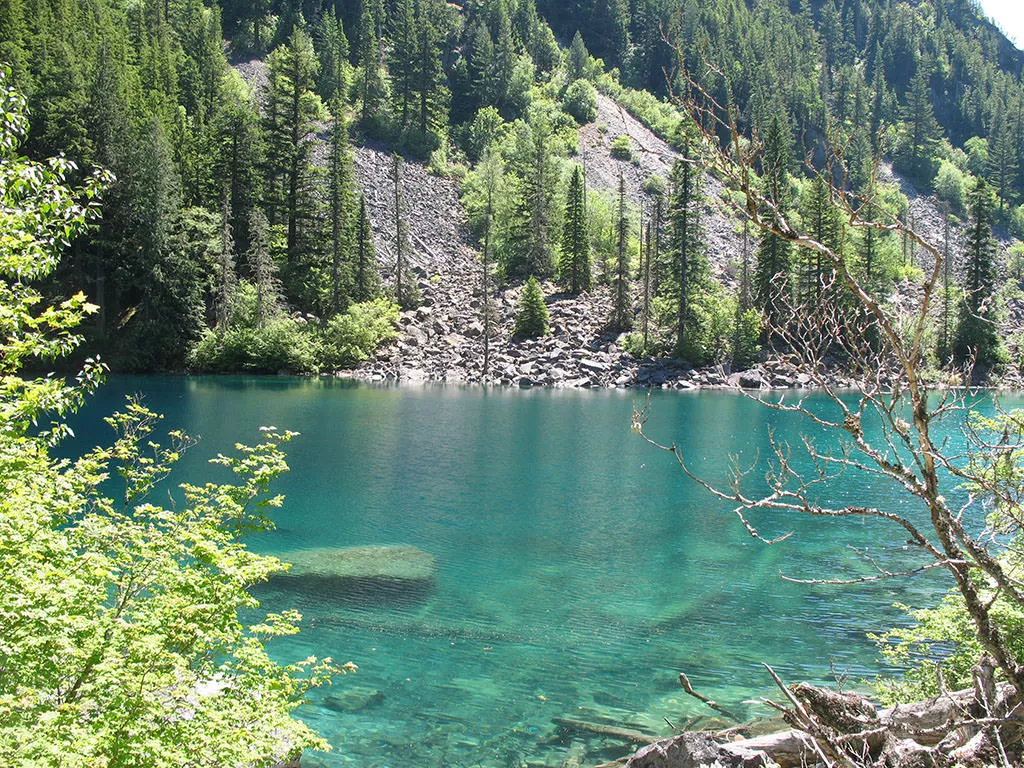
(245, 233)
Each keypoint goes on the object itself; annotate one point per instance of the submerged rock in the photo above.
(378, 572)
(353, 699)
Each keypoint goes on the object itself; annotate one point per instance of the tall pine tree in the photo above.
(976, 330)
(774, 253)
(575, 266)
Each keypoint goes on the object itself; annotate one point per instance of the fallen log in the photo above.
(613, 731)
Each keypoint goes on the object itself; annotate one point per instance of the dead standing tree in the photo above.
(885, 350)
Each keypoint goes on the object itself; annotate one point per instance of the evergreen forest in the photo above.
(237, 236)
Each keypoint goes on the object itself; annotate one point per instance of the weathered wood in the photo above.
(789, 749)
(685, 682)
(928, 722)
(614, 731)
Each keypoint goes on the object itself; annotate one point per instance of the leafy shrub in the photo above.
(487, 127)
(1015, 261)
(532, 315)
(282, 344)
(351, 337)
(655, 185)
(580, 101)
(622, 148)
(126, 635)
(1017, 222)
(949, 185)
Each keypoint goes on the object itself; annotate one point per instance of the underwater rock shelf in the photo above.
(383, 571)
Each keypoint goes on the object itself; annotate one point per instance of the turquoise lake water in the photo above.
(578, 570)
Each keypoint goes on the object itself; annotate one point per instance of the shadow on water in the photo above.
(358, 591)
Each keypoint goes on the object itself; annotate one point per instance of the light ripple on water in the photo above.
(577, 571)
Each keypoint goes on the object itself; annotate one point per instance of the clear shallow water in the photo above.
(578, 570)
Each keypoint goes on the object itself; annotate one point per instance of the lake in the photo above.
(578, 571)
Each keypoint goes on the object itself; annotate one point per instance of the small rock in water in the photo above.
(353, 700)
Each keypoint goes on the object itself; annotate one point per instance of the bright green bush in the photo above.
(282, 344)
(580, 101)
(622, 148)
(351, 337)
(949, 185)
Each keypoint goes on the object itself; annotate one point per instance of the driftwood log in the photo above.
(972, 728)
(614, 731)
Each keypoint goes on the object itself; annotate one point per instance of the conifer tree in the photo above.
(504, 57)
(575, 265)
(371, 86)
(406, 293)
(332, 49)
(340, 185)
(532, 314)
(651, 263)
(404, 61)
(491, 170)
(225, 259)
(687, 267)
(578, 63)
(529, 248)
(158, 299)
(291, 68)
(1002, 156)
(262, 269)
(365, 280)
(944, 348)
(821, 221)
(480, 68)
(922, 128)
(976, 331)
(238, 160)
(431, 97)
(622, 305)
(774, 253)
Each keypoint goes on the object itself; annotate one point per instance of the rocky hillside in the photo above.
(443, 339)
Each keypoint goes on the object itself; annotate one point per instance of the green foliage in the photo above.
(745, 336)
(123, 642)
(774, 254)
(622, 147)
(532, 312)
(946, 634)
(949, 185)
(487, 128)
(655, 185)
(688, 286)
(975, 332)
(526, 230)
(268, 344)
(1017, 222)
(351, 337)
(580, 101)
(574, 268)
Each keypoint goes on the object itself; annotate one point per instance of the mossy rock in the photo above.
(377, 573)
